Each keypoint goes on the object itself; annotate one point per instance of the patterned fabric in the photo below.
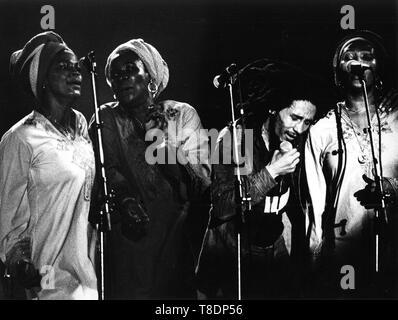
(339, 225)
(150, 56)
(159, 264)
(45, 192)
(32, 62)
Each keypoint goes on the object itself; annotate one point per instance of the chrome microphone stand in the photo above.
(380, 210)
(244, 199)
(104, 217)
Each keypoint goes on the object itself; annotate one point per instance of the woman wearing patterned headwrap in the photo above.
(339, 168)
(148, 251)
(46, 175)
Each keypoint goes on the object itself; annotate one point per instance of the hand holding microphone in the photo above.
(284, 147)
(284, 160)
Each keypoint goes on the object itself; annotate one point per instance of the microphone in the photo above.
(285, 146)
(355, 67)
(222, 79)
(83, 61)
(88, 62)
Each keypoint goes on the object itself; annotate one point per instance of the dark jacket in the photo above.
(261, 232)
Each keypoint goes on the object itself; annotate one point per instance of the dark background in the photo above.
(197, 38)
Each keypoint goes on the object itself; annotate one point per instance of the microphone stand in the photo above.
(380, 212)
(104, 217)
(244, 199)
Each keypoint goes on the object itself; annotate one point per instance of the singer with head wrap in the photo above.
(339, 166)
(156, 159)
(46, 174)
(280, 108)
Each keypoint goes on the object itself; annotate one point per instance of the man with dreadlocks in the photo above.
(281, 108)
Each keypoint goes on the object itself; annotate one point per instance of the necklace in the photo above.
(67, 132)
(363, 158)
(139, 122)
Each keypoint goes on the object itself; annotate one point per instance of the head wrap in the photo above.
(269, 86)
(153, 61)
(30, 64)
(361, 35)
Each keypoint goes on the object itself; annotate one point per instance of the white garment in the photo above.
(45, 190)
(321, 162)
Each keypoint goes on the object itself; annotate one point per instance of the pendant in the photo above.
(363, 158)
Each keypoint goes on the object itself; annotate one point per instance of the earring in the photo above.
(337, 81)
(152, 87)
(379, 84)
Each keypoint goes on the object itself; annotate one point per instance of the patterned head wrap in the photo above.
(31, 64)
(153, 61)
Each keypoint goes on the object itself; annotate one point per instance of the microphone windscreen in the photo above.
(285, 146)
(354, 66)
(216, 82)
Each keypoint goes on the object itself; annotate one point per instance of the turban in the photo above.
(153, 61)
(31, 64)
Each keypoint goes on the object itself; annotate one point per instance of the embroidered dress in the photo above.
(334, 173)
(45, 191)
(159, 264)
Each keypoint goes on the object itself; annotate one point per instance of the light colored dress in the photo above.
(45, 190)
(333, 178)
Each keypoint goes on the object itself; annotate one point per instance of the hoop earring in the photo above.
(152, 88)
